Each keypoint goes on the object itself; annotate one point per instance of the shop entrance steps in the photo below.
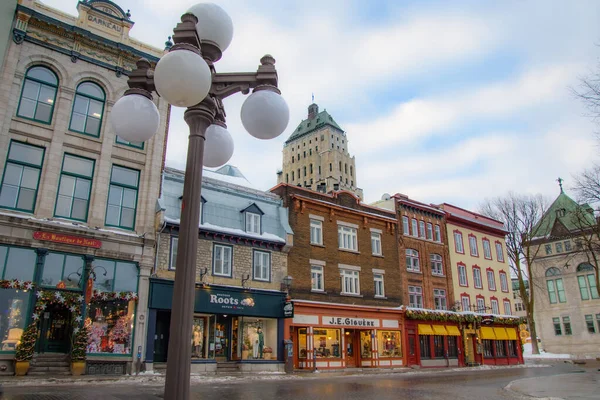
(49, 364)
(228, 368)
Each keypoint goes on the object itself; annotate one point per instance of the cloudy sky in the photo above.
(442, 101)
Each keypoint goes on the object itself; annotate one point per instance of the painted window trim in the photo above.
(465, 295)
(173, 263)
(91, 179)
(246, 213)
(504, 301)
(137, 196)
(501, 251)
(492, 299)
(379, 277)
(475, 267)
(124, 142)
(495, 289)
(115, 261)
(462, 264)
(420, 294)
(412, 256)
(441, 261)
(379, 238)
(254, 278)
(483, 242)
(476, 248)
(318, 222)
(87, 96)
(500, 274)
(42, 83)
(437, 228)
(322, 274)
(351, 273)
(462, 242)
(214, 260)
(25, 164)
(480, 297)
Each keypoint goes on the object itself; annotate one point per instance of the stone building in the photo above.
(7, 15)
(346, 288)
(242, 263)
(566, 299)
(316, 156)
(76, 201)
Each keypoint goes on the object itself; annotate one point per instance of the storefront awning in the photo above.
(487, 333)
(501, 333)
(452, 330)
(440, 330)
(512, 333)
(425, 330)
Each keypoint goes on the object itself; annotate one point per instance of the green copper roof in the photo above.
(308, 125)
(561, 212)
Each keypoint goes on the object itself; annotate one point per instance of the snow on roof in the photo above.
(238, 232)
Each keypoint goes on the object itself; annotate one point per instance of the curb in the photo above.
(509, 389)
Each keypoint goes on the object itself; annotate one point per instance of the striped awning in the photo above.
(512, 333)
(440, 330)
(488, 333)
(501, 333)
(452, 330)
(425, 329)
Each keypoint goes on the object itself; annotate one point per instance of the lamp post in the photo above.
(186, 77)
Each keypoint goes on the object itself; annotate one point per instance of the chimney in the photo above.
(336, 187)
(313, 110)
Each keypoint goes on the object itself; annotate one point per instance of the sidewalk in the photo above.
(577, 385)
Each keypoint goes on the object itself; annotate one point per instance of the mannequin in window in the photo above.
(260, 342)
(197, 341)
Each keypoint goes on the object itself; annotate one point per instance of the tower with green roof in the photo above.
(316, 156)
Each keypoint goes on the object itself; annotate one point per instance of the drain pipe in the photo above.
(164, 225)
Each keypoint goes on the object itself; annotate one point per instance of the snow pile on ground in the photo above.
(543, 355)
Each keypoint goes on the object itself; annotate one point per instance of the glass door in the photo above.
(351, 350)
(56, 330)
(222, 337)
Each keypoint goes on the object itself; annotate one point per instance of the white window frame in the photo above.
(439, 299)
(465, 302)
(438, 234)
(412, 260)
(503, 282)
(499, 252)
(415, 227)
(317, 278)
(252, 222)
(473, 250)
(429, 235)
(458, 243)
(415, 296)
(350, 279)
(422, 229)
(376, 243)
(495, 306)
(378, 282)
(316, 232)
(223, 262)
(461, 267)
(405, 225)
(507, 308)
(173, 254)
(487, 249)
(491, 278)
(477, 281)
(260, 271)
(436, 261)
(347, 238)
(480, 301)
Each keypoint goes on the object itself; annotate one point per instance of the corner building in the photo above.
(346, 289)
(76, 201)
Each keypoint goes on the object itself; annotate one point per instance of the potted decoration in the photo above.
(267, 352)
(246, 347)
(25, 349)
(78, 351)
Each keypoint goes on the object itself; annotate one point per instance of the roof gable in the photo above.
(559, 218)
(253, 208)
(309, 125)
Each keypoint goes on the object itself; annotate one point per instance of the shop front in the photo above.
(231, 325)
(499, 345)
(334, 336)
(433, 343)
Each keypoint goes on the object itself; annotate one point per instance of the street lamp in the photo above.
(186, 77)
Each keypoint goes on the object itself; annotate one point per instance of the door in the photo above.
(55, 330)
(222, 337)
(161, 336)
(412, 349)
(351, 349)
(470, 350)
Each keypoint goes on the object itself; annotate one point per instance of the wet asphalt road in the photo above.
(465, 384)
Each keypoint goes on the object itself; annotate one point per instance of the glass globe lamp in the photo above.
(265, 114)
(214, 24)
(135, 118)
(218, 147)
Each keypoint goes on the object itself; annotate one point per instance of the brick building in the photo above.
(243, 240)
(346, 289)
(76, 200)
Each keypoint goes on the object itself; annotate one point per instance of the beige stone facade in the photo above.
(317, 156)
(93, 47)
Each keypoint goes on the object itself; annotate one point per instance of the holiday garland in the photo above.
(26, 348)
(108, 296)
(468, 317)
(16, 284)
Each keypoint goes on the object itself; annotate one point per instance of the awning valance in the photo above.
(501, 333)
(425, 329)
(487, 333)
(452, 330)
(512, 333)
(440, 330)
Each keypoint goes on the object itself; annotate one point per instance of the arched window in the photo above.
(38, 95)
(88, 108)
(553, 271)
(583, 267)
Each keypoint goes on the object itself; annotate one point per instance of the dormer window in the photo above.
(253, 218)
(561, 212)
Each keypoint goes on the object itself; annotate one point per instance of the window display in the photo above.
(365, 344)
(13, 309)
(425, 346)
(259, 339)
(302, 343)
(199, 339)
(62, 270)
(388, 344)
(111, 326)
(452, 346)
(327, 343)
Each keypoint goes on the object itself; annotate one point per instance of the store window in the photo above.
(512, 348)
(327, 343)
(62, 270)
(452, 346)
(438, 346)
(200, 337)
(258, 339)
(111, 326)
(21, 176)
(365, 345)
(389, 344)
(14, 305)
(500, 349)
(425, 347)
(302, 343)
(115, 276)
(488, 350)
(17, 263)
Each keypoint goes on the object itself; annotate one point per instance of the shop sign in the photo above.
(104, 23)
(353, 322)
(67, 239)
(288, 309)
